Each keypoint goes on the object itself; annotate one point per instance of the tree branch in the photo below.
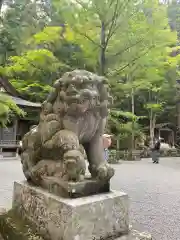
(86, 36)
(119, 9)
(99, 13)
(127, 48)
(133, 61)
(1, 4)
(110, 4)
(120, 24)
(115, 26)
(113, 22)
(82, 4)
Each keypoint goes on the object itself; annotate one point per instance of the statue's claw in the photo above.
(103, 172)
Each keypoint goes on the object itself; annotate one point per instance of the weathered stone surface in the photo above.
(135, 235)
(86, 187)
(73, 114)
(88, 218)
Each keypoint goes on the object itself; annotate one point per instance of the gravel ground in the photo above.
(154, 191)
(10, 171)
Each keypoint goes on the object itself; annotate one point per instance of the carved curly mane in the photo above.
(73, 86)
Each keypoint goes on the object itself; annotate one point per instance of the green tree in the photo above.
(7, 109)
(155, 83)
(49, 54)
(148, 84)
(33, 73)
(114, 29)
(124, 125)
(128, 41)
(174, 16)
(19, 21)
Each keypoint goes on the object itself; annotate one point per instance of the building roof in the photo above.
(15, 95)
(8, 87)
(22, 102)
(164, 126)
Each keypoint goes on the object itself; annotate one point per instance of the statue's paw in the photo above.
(102, 173)
(105, 172)
(110, 172)
(81, 178)
(35, 176)
(65, 177)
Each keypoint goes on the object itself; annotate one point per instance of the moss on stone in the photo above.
(12, 227)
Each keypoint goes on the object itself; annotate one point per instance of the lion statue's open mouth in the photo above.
(74, 113)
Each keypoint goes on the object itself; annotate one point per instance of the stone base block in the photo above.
(75, 189)
(89, 218)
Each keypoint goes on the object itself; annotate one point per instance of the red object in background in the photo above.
(106, 141)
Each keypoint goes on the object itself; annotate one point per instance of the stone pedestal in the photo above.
(39, 215)
(89, 218)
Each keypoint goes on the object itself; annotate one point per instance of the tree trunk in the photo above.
(102, 60)
(1, 3)
(178, 114)
(133, 112)
(152, 127)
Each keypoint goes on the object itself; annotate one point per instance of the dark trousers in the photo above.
(155, 156)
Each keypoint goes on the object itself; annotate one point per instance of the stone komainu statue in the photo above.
(74, 115)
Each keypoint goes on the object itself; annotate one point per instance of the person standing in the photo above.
(106, 145)
(156, 151)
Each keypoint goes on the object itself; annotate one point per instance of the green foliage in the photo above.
(7, 109)
(32, 63)
(34, 71)
(20, 20)
(174, 16)
(133, 43)
(48, 38)
(123, 125)
(49, 54)
(155, 107)
(118, 31)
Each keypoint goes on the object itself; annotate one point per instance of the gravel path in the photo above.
(10, 171)
(154, 192)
